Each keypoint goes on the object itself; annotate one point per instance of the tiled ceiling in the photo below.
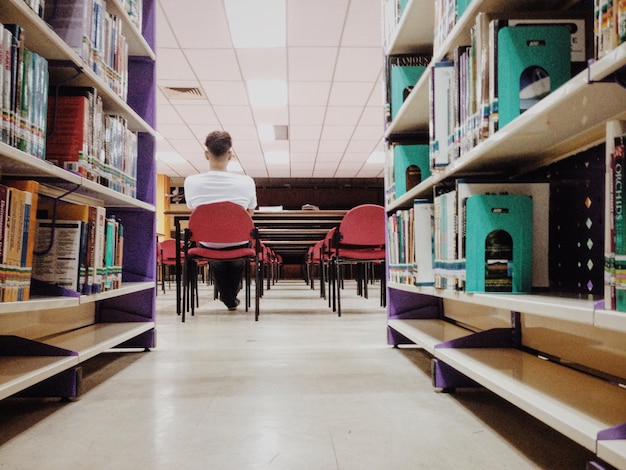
(333, 67)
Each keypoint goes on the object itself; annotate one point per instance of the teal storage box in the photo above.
(411, 166)
(499, 243)
(403, 76)
(533, 61)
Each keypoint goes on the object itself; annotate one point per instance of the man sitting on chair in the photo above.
(218, 185)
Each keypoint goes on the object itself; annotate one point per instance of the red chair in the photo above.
(166, 257)
(360, 240)
(224, 223)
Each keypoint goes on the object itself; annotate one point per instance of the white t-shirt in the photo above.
(219, 186)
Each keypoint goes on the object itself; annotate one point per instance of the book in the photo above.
(15, 227)
(57, 259)
(92, 244)
(31, 187)
(71, 21)
(440, 128)
(404, 72)
(17, 50)
(619, 224)
(423, 238)
(67, 145)
(7, 64)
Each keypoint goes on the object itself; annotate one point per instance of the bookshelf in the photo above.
(44, 340)
(559, 356)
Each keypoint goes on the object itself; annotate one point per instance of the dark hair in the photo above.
(218, 142)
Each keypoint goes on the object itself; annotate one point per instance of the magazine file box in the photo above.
(533, 61)
(403, 78)
(499, 243)
(406, 158)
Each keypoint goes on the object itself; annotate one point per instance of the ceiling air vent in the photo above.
(183, 93)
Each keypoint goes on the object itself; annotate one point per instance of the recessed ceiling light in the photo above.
(257, 24)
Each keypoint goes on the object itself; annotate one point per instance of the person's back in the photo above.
(218, 185)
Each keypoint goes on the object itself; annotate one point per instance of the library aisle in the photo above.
(300, 389)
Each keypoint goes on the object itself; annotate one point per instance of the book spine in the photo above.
(619, 214)
(6, 89)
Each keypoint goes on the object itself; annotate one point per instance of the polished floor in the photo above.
(300, 389)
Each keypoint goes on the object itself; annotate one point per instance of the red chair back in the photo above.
(167, 251)
(364, 225)
(220, 222)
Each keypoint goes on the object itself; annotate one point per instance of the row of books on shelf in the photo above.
(53, 247)
(474, 236)
(447, 14)
(84, 139)
(609, 25)
(95, 35)
(23, 92)
(64, 125)
(510, 65)
(512, 61)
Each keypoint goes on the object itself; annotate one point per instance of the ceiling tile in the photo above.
(214, 64)
(225, 92)
(363, 27)
(172, 65)
(350, 93)
(236, 115)
(317, 23)
(263, 64)
(358, 64)
(308, 93)
(197, 22)
(308, 64)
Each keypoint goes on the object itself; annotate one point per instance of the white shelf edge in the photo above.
(517, 387)
(544, 305)
(613, 452)
(28, 165)
(427, 333)
(610, 320)
(127, 288)
(38, 303)
(92, 340)
(414, 10)
(32, 370)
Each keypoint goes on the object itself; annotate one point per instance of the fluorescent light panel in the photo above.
(255, 23)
